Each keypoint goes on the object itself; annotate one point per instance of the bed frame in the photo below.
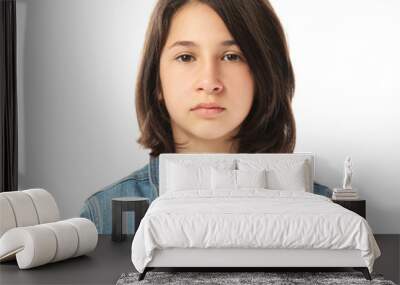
(240, 259)
(248, 259)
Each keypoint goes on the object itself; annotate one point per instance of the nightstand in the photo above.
(139, 205)
(357, 206)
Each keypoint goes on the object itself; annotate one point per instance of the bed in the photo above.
(245, 211)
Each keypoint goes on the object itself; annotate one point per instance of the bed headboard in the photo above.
(202, 157)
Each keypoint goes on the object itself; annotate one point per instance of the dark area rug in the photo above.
(229, 278)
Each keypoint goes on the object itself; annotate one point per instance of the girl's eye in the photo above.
(184, 58)
(189, 58)
(232, 57)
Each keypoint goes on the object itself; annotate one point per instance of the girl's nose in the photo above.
(211, 87)
(209, 82)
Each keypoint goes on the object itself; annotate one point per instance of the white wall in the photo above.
(346, 59)
(77, 63)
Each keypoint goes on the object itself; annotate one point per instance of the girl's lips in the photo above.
(208, 112)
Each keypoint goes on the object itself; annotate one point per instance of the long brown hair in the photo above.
(270, 125)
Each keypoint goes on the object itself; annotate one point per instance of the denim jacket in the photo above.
(142, 182)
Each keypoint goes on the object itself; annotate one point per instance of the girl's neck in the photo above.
(194, 144)
(208, 147)
(199, 145)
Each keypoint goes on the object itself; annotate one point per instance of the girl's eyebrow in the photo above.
(193, 44)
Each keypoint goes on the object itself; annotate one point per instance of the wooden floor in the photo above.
(111, 259)
(389, 262)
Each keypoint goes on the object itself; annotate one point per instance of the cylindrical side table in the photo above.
(139, 205)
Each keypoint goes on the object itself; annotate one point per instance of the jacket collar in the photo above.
(153, 172)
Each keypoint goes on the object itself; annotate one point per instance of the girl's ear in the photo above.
(159, 97)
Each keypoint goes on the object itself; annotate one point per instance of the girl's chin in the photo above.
(204, 130)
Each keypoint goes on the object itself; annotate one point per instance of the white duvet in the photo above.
(251, 218)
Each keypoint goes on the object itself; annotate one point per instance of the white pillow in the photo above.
(223, 179)
(181, 177)
(193, 175)
(235, 179)
(283, 174)
(293, 177)
(251, 178)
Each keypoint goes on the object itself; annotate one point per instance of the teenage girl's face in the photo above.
(200, 63)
